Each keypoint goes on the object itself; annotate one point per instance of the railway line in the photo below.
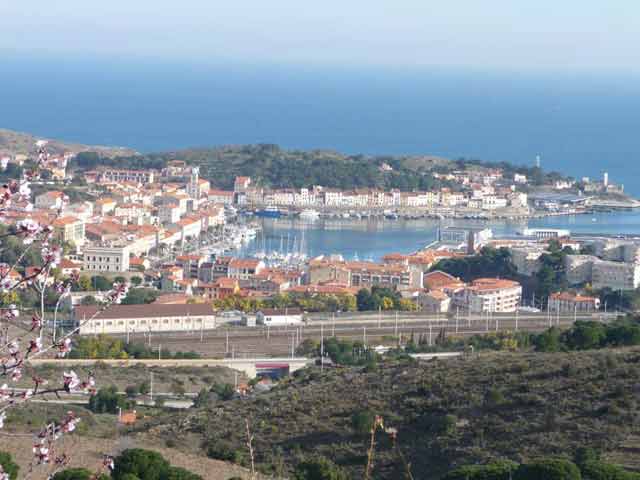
(240, 342)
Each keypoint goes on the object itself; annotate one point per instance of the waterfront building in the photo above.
(469, 239)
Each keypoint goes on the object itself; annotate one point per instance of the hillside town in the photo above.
(169, 231)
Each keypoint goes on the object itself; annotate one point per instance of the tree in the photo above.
(9, 466)
(84, 283)
(319, 468)
(138, 296)
(89, 300)
(548, 469)
(136, 280)
(108, 400)
(100, 283)
(548, 341)
(144, 464)
(586, 335)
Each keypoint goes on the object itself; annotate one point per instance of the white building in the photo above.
(615, 275)
(490, 295)
(148, 318)
(106, 258)
(168, 213)
(567, 302)
(543, 233)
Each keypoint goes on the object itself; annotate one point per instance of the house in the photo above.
(566, 302)
(103, 206)
(127, 417)
(434, 301)
(241, 184)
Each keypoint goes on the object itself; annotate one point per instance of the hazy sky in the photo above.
(508, 34)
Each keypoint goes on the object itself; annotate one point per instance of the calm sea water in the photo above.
(371, 239)
(581, 124)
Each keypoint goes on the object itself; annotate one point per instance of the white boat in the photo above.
(309, 214)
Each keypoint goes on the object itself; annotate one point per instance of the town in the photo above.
(173, 237)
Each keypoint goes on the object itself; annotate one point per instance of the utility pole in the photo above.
(159, 351)
(457, 315)
(227, 349)
(429, 334)
(396, 327)
(364, 336)
(517, 314)
(322, 347)
(201, 330)
(575, 313)
(151, 387)
(333, 331)
(379, 316)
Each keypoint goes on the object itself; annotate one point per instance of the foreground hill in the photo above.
(16, 143)
(448, 413)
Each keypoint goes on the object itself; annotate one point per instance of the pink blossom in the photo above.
(71, 380)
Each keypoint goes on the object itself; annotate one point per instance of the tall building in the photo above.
(193, 189)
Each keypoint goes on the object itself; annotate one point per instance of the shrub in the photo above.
(319, 468)
(77, 474)
(220, 450)
(10, 467)
(144, 464)
(178, 473)
(131, 391)
(548, 469)
(492, 471)
(362, 422)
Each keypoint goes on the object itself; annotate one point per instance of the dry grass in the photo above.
(88, 452)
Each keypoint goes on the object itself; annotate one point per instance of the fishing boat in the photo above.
(269, 212)
(309, 214)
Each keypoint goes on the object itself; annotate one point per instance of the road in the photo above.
(241, 342)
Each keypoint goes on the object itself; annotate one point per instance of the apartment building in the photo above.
(69, 229)
(223, 197)
(169, 213)
(490, 295)
(110, 259)
(244, 268)
(116, 175)
(615, 275)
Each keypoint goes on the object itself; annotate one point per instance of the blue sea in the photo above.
(580, 123)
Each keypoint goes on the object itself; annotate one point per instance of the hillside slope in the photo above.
(15, 143)
(448, 413)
